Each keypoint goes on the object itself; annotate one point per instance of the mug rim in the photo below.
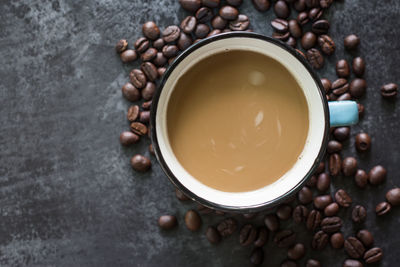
(171, 176)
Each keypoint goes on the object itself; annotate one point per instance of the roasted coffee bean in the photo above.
(144, 116)
(170, 51)
(204, 15)
(358, 87)
(327, 44)
(212, 235)
(138, 78)
(341, 133)
(300, 214)
(351, 42)
(326, 84)
(335, 164)
(159, 43)
(262, 237)
(320, 168)
(284, 212)
(150, 71)
(315, 58)
(150, 30)
(227, 227)
(201, 30)
(184, 41)
(352, 263)
(359, 214)
(249, 216)
(323, 182)
(203, 209)
(188, 24)
(171, 33)
(211, 3)
(331, 224)
(291, 41)
(146, 105)
(257, 256)
(373, 255)
(349, 166)
(299, 5)
(358, 66)
(284, 238)
(133, 113)
(312, 3)
(280, 25)
(342, 69)
(228, 12)
(271, 222)
(343, 199)
(305, 195)
(261, 5)
(149, 54)
(295, 28)
(302, 18)
(296, 252)
(334, 147)
(340, 86)
(343, 97)
(389, 90)
(128, 55)
(160, 60)
(151, 150)
(167, 222)
(288, 263)
(320, 27)
(354, 248)
(332, 209)
(161, 71)
(192, 220)
(128, 138)
(325, 3)
(121, 46)
(247, 235)
(240, 24)
(142, 44)
(130, 92)
(360, 109)
(180, 195)
(308, 40)
(320, 240)
(313, 220)
(138, 128)
(234, 2)
(190, 5)
(363, 142)
(383, 208)
(393, 196)
(337, 240)
(361, 178)
(377, 175)
(311, 182)
(281, 9)
(218, 23)
(315, 13)
(214, 32)
(365, 237)
(140, 163)
(281, 36)
(313, 263)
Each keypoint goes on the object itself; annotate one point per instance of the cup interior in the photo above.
(293, 178)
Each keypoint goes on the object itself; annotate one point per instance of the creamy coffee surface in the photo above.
(237, 121)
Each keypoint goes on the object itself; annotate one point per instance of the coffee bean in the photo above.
(389, 90)
(149, 54)
(281, 9)
(342, 198)
(300, 214)
(359, 214)
(295, 28)
(192, 220)
(337, 240)
(140, 163)
(180, 195)
(305, 195)
(308, 40)
(335, 164)
(257, 256)
(144, 116)
(296, 252)
(361, 178)
(188, 24)
(354, 248)
(214, 32)
(360, 109)
(150, 71)
(343, 97)
(128, 138)
(383, 208)
(201, 30)
(313, 220)
(158, 44)
(320, 168)
(311, 182)
(284, 238)
(151, 150)
(128, 55)
(184, 41)
(167, 222)
(271, 222)
(288, 263)
(351, 42)
(341, 133)
(358, 66)
(211, 3)
(138, 78)
(365, 237)
(377, 175)
(203, 209)
(227, 227)
(323, 182)
(190, 5)
(352, 263)
(342, 69)
(138, 128)
(326, 84)
(291, 41)
(240, 24)
(312, 3)
(302, 18)
(331, 224)
(313, 263)
(171, 34)
(320, 27)
(228, 12)
(280, 25)
(170, 51)
(262, 237)
(150, 30)
(315, 13)
(340, 86)
(130, 92)
(373, 255)
(284, 212)
(325, 3)
(121, 46)
(393, 196)
(133, 113)
(142, 44)
(320, 240)
(161, 71)
(363, 142)
(204, 15)
(247, 235)
(160, 60)
(332, 209)
(261, 5)
(334, 147)
(358, 87)
(349, 166)
(212, 235)
(315, 58)
(327, 44)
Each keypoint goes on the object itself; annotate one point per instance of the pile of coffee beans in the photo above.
(301, 25)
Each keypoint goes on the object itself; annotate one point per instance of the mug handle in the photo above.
(343, 113)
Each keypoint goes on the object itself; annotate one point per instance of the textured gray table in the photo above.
(68, 196)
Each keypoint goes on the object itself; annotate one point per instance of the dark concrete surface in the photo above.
(68, 196)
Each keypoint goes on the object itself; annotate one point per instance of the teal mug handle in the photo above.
(343, 113)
